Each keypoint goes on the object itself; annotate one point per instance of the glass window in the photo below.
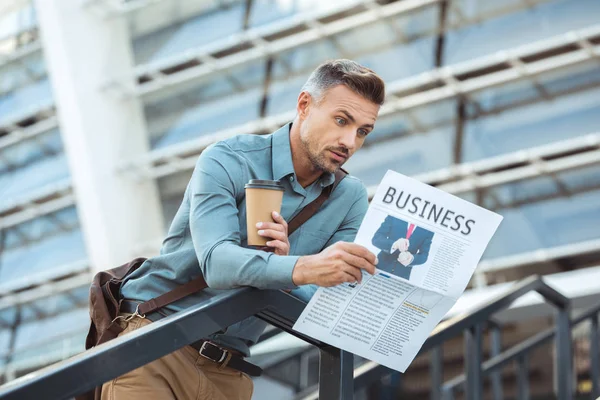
(64, 335)
(410, 155)
(550, 223)
(22, 181)
(29, 151)
(40, 228)
(59, 303)
(208, 118)
(27, 69)
(532, 125)
(43, 257)
(268, 11)
(27, 99)
(515, 29)
(195, 32)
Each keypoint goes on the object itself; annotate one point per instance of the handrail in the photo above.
(371, 372)
(105, 362)
(509, 355)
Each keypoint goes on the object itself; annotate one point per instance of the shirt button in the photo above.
(291, 178)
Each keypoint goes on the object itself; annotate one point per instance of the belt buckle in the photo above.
(220, 360)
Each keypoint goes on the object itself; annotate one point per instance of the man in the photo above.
(336, 110)
(402, 246)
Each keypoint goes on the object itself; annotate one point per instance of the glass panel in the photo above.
(533, 125)
(517, 29)
(400, 61)
(63, 336)
(582, 76)
(25, 100)
(268, 11)
(49, 256)
(211, 117)
(53, 305)
(546, 224)
(8, 316)
(32, 177)
(41, 227)
(413, 25)
(522, 191)
(29, 151)
(409, 155)
(582, 179)
(27, 69)
(4, 343)
(195, 32)
(291, 70)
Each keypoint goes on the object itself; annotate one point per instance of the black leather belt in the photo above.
(206, 349)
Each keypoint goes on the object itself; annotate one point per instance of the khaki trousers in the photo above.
(181, 375)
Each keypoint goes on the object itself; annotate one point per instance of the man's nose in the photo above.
(348, 139)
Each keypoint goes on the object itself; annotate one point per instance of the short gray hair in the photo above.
(351, 74)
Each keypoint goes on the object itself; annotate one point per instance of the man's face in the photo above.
(335, 127)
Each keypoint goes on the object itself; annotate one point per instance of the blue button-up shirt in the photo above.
(208, 233)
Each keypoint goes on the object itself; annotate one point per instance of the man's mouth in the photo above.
(340, 157)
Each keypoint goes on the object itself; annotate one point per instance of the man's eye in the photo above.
(340, 121)
(362, 133)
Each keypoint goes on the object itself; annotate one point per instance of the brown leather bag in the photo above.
(105, 290)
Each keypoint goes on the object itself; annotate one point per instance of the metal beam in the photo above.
(45, 290)
(271, 46)
(523, 164)
(287, 38)
(406, 94)
(336, 368)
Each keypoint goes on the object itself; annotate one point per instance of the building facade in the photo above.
(106, 105)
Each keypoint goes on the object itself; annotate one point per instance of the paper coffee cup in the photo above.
(262, 198)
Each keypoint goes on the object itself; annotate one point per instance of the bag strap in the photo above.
(198, 284)
(311, 209)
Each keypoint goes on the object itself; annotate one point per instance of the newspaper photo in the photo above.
(428, 244)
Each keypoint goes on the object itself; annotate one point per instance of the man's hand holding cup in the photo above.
(277, 233)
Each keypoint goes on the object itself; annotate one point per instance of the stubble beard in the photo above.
(318, 159)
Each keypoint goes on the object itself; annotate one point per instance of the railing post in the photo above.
(496, 348)
(474, 359)
(336, 369)
(563, 371)
(436, 365)
(522, 377)
(594, 357)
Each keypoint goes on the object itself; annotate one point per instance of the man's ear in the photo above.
(303, 105)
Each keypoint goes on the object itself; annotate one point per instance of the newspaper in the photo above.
(428, 244)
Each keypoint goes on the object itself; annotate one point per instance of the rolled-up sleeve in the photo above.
(215, 188)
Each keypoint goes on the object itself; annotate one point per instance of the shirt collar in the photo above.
(282, 157)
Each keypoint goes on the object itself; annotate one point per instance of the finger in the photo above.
(359, 263)
(273, 234)
(279, 219)
(361, 251)
(351, 274)
(271, 225)
(283, 247)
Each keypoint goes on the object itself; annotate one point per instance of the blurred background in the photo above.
(106, 105)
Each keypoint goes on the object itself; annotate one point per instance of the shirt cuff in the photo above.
(279, 271)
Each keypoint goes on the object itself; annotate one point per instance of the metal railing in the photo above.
(83, 372)
(472, 325)
(103, 363)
